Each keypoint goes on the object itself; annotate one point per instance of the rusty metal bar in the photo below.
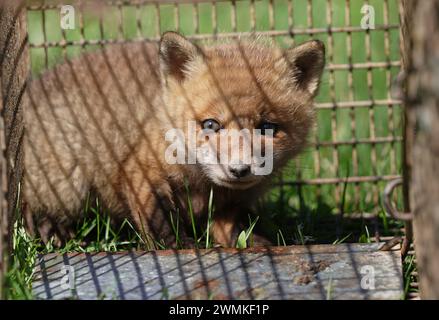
(387, 201)
(14, 70)
(358, 179)
(405, 8)
(351, 97)
(50, 6)
(272, 33)
(333, 105)
(357, 104)
(372, 127)
(354, 142)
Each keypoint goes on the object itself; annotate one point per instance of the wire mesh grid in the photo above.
(356, 145)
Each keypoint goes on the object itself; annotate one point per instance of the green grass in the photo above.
(290, 214)
(409, 267)
(96, 233)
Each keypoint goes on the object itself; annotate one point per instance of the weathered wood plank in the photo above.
(297, 272)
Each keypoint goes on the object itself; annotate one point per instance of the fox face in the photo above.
(248, 105)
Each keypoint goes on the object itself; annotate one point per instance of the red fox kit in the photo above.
(102, 122)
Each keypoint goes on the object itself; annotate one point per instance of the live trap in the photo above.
(331, 194)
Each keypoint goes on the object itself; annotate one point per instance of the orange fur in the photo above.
(98, 123)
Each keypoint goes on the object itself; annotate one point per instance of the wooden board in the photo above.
(346, 271)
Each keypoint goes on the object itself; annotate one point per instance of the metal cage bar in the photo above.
(323, 176)
(14, 70)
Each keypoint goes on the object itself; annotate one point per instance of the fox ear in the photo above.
(175, 53)
(307, 62)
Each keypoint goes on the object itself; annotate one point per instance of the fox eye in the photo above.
(211, 124)
(267, 126)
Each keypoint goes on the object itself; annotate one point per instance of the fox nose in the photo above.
(239, 170)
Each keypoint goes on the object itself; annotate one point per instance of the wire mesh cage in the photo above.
(332, 191)
(356, 146)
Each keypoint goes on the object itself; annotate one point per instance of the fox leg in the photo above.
(225, 229)
(152, 211)
(49, 230)
(46, 228)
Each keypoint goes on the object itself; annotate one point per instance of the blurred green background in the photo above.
(296, 210)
